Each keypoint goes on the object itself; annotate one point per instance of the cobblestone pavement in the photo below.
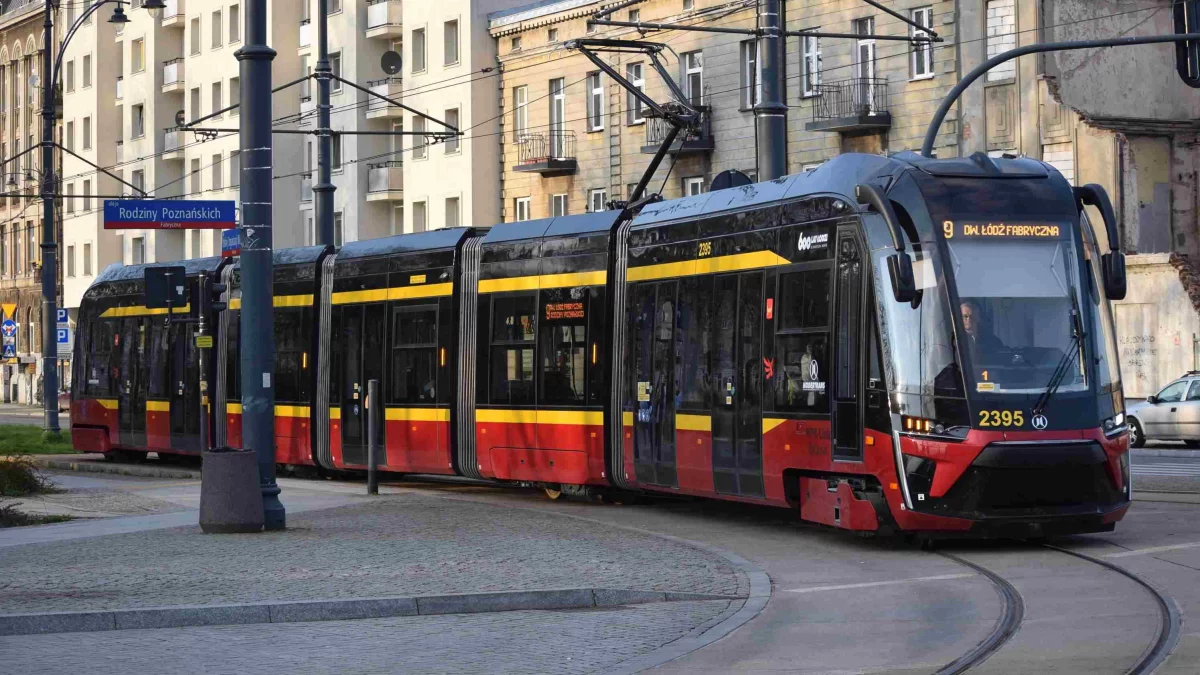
(579, 641)
(399, 545)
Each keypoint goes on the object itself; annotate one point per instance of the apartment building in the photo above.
(21, 217)
(123, 87)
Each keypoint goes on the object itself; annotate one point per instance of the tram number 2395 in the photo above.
(1001, 418)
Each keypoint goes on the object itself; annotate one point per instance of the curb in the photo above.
(103, 466)
(334, 610)
(1159, 452)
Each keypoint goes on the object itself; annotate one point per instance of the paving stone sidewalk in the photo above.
(400, 545)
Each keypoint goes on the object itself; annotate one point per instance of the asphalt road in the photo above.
(15, 413)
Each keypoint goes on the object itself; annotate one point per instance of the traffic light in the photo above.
(210, 299)
(1187, 53)
(215, 303)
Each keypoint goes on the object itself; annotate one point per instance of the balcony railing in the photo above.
(120, 88)
(171, 139)
(385, 178)
(383, 18)
(173, 10)
(857, 104)
(699, 139)
(550, 153)
(305, 32)
(172, 72)
(120, 151)
(389, 87)
(306, 191)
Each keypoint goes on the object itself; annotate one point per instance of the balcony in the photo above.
(696, 140)
(173, 15)
(172, 76)
(120, 151)
(305, 33)
(856, 105)
(551, 153)
(389, 87)
(172, 144)
(306, 192)
(120, 88)
(383, 19)
(385, 181)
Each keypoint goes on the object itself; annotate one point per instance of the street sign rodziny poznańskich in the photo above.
(169, 214)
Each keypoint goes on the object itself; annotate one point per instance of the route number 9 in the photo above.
(948, 229)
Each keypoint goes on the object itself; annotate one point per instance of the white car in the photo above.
(1173, 414)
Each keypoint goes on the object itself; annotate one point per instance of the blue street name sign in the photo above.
(169, 214)
(231, 243)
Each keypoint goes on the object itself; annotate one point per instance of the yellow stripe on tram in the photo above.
(291, 411)
(141, 310)
(771, 423)
(395, 293)
(108, 403)
(280, 301)
(725, 263)
(627, 419)
(158, 406)
(233, 408)
(532, 283)
(693, 422)
(418, 414)
(577, 417)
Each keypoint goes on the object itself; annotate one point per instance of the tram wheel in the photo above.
(552, 493)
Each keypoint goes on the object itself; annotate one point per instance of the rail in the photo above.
(851, 98)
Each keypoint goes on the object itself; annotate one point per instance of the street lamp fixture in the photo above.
(155, 7)
(118, 17)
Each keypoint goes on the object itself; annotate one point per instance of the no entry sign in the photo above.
(168, 214)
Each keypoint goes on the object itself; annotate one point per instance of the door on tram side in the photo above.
(737, 384)
(849, 330)
(363, 336)
(654, 382)
(185, 388)
(131, 386)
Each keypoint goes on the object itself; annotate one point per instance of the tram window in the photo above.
(233, 382)
(159, 359)
(103, 334)
(804, 299)
(513, 326)
(289, 354)
(564, 346)
(414, 354)
(801, 363)
(596, 346)
(695, 324)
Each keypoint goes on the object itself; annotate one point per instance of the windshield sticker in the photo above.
(985, 386)
(643, 391)
(812, 241)
(1000, 230)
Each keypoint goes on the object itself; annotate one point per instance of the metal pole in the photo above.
(770, 112)
(202, 355)
(49, 246)
(936, 124)
(323, 190)
(257, 315)
(373, 406)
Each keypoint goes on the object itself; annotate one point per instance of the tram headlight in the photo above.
(1114, 425)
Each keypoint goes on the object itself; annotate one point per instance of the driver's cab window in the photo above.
(1194, 392)
(1172, 393)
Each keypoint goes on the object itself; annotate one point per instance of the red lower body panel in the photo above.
(546, 446)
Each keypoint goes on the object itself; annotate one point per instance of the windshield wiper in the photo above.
(1064, 365)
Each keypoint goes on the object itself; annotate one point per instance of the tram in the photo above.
(884, 344)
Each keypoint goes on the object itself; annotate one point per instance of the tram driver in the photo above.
(981, 342)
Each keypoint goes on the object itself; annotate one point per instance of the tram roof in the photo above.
(404, 243)
(118, 272)
(560, 226)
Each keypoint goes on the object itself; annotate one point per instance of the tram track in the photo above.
(1013, 613)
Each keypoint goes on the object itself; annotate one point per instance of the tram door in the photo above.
(131, 385)
(847, 419)
(185, 388)
(363, 338)
(655, 377)
(737, 383)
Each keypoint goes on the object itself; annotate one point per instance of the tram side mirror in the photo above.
(1114, 275)
(900, 269)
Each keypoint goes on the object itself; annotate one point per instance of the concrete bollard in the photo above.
(230, 497)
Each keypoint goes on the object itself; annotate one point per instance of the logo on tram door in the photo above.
(1040, 422)
(809, 242)
(813, 369)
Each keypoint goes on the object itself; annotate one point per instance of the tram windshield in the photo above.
(1019, 311)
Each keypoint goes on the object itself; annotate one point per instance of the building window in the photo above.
(87, 259)
(750, 86)
(450, 36)
(139, 121)
(195, 244)
(70, 260)
(138, 178)
(1002, 36)
(137, 55)
(3, 250)
(216, 99)
(597, 199)
(635, 15)
(338, 233)
(521, 208)
(810, 65)
(398, 219)
(195, 174)
(689, 4)
(70, 198)
(217, 173)
(558, 115)
(520, 112)
(235, 168)
(418, 217)
(420, 145)
(87, 133)
(552, 35)
(335, 6)
(693, 186)
(452, 142)
(216, 29)
(452, 212)
(922, 52)
(864, 55)
(69, 77)
(558, 205)
(235, 94)
(335, 153)
(138, 249)
(87, 195)
(418, 50)
(235, 24)
(693, 77)
(195, 102)
(194, 29)
(636, 76)
(335, 67)
(87, 71)
(595, 102)
(69, 141)
(310, 235)
(515, 46)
